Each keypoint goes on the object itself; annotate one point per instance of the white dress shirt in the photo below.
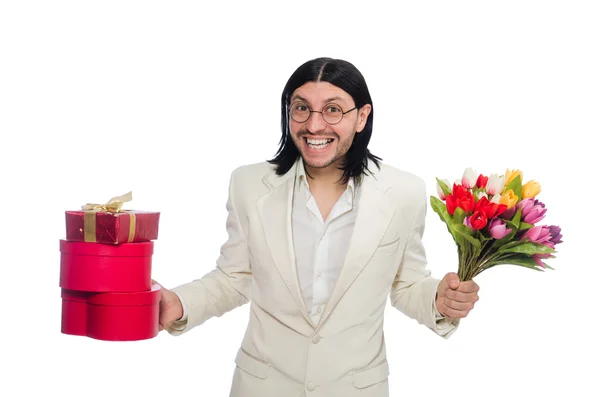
(320, 244)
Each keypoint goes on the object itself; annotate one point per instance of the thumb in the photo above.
(452, 280)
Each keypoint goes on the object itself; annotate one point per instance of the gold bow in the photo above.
(113, 206)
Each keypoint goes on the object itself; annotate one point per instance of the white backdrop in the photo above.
(167, 98)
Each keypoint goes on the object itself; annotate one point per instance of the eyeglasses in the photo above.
(331, 112)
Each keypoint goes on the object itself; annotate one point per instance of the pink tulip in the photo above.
(498, 229)
(539, 234)
(532, 210)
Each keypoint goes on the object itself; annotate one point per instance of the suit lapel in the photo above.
(374, 215)
(275, 209)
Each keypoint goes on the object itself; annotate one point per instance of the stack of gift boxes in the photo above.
(105, 272)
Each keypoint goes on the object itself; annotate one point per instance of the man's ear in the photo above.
(363, 115)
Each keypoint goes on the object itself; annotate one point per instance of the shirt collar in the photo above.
(301, 178)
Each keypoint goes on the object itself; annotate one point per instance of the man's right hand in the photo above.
(171, 309)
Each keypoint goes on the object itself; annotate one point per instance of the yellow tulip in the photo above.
(531, 189)
(512, 174)
(509, 199)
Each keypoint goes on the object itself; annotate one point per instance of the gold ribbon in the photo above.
(113, 206)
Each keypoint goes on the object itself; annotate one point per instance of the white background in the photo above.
(167, 98)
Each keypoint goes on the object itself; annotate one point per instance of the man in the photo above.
(319, 237)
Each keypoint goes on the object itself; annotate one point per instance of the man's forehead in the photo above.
(320, 92)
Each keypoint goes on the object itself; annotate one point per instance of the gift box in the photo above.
(109, 223)
(113, 316)
(95, 267)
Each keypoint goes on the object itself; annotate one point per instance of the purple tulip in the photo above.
(467, 222)
(555, 233)
(498, 229)
(509, 213)
(532, 211)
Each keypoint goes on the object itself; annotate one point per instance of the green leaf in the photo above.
(522, 261)
(527, 247)
(516, 186)
(466, 233)
(445, 188)
(525, 226)
(459, 216)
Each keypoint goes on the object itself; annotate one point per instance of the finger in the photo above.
(462, 296)
(452, 280)
(453, 313)
(468, 286)
(461, 306)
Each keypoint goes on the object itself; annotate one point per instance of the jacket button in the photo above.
(316, 339)
(311, 386)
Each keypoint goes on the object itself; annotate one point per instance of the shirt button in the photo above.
(311, 386)
(316, 339)
(319, 309)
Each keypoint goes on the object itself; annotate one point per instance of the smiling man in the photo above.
(319, 238)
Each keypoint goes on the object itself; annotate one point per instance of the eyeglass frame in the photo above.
(310, 112)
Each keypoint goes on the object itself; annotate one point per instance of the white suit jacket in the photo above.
(283, 353)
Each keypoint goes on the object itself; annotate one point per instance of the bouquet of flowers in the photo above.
(494, 220)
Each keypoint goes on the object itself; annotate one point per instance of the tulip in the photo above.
(539, 234)
(467, 223)
(512, 174)
(469, 178)
(532, 211)
(440, 192)
(489, 208)
(480, 195)
(509, 199)
(538, 258)
(531, 189)
(478, 220)
(498, 229)
(509, 213)
(555, 233)
(460, 197)
(481, 181)
(495, 184)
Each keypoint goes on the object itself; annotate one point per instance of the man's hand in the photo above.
(455, 299)
(170, 307)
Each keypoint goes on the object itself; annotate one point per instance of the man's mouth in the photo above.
(318, 143)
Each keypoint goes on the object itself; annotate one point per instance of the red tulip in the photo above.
(460, 197)
(478, 220)
(482, 181)
(490, 208)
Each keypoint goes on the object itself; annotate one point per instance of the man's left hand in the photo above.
(455, 299)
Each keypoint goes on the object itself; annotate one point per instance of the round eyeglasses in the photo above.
(331, 113)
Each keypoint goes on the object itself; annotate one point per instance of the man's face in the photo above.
(322, 144)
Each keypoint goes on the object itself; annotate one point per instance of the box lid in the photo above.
(145, 248)
(150, 297)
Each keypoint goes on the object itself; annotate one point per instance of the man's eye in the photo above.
(333, 109)
(302, 108)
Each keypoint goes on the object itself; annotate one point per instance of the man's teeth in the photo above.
(318, 141)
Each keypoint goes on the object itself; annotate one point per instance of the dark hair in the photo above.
(347, 77)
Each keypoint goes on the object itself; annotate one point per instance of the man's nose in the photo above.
(315, 122)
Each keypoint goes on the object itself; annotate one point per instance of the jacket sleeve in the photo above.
(414, 289)
(228, 285)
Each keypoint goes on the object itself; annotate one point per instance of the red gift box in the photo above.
(106, 268)
(113, 316)
(109, 223)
